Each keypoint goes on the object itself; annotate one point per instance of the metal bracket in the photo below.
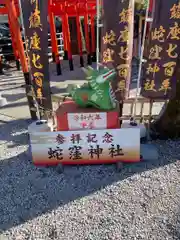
(100, 25)
(149, 20)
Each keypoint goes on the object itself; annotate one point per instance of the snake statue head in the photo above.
(97, 92)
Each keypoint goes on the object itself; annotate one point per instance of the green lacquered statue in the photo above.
(97, 92)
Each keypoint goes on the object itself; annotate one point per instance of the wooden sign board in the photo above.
(161, 69)
(86, 146)
(35, 14)
(117, 42)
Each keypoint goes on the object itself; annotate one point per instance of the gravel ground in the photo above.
(90, 202)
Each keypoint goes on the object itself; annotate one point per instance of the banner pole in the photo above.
(21, 17)
(97, 34)
(141, 59)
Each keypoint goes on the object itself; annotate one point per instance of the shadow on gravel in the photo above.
(27, 192)
(12, 88)
(56, 90)
(12, 79)
(14, 97)
(174, 230)
(15, 104)
(7, 84)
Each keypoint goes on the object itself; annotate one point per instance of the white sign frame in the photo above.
(95, 146)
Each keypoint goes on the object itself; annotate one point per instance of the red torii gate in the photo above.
(65, 9)
(3, 11)
(74, 8)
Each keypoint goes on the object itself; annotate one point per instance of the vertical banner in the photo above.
(117, 42)
(160, 70)
(35, 14)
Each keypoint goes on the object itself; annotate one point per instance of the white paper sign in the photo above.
(87, 120)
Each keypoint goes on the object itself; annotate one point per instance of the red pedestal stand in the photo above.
(71, 117)
(85, 136)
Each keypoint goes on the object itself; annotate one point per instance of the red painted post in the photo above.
(15, 50)
(93, 39)
(64, 39)
(66, 23)
(55, 52)
(79, 37)
(86, 26)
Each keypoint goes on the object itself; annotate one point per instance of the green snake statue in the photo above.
(97, 92)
